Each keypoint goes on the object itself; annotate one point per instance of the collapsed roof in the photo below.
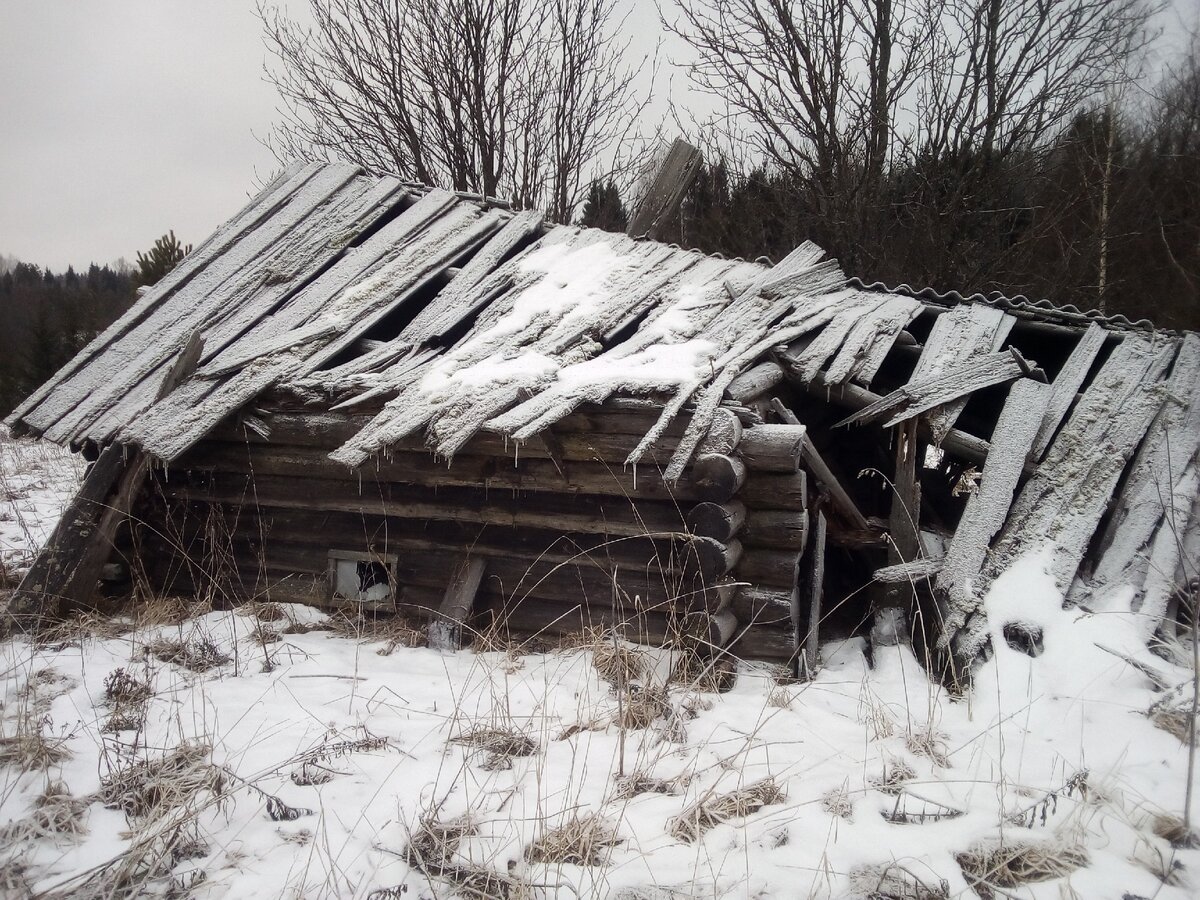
(459, 314)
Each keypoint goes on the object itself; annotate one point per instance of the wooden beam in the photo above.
(67, 568)
(773, 448)
(816, 588)
(445, 631)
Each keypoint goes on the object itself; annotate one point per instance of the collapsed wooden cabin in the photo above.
(368, 394)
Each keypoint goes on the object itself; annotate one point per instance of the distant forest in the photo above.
(49, 317)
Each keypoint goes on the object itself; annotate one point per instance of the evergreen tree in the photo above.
(161, 259)
(603, 208)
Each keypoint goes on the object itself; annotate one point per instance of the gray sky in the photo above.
(124, 118)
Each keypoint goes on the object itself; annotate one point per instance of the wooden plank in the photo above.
(162, 334)
(920, 569)
(676, 174)
(966, 331)
(816, 588)
(956, 380)
(261, 207)
(870, 340)
(446, 630)
(854, 309)
(904, 530)
(1067, 384)
(1064, 500)
(463, 297)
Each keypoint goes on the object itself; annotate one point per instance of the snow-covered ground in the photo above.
(37, 479)
(244, 754)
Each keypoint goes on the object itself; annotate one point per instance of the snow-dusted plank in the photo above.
(234, 229)
(171, 427)
(1063, 501)
(1067, 383)
(988, 507)
(284, 340)
(966, 331)
(237, 309)
(1171, 444)
(461, 298)
(829, 339)
(162, 334)
(865, 347)
(957, 380)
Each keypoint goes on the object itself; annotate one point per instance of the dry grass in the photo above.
(198, 654)
(615, 662)
(708, 675)
(501, 744)
(1174, 830)
(640, 707)
(392, 631)
(691, 824)
(929, 744)
(150, 789)
(1175, 721)
(432, 848)
(580, 841)
(55, 813)
(837, 803)
(895, 774)
(989, 864)
(640, 783)
(122, 688)
(892, 881)
(31, 748)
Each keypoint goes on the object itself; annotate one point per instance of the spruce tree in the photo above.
(162, 258)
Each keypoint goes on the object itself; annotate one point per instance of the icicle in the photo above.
(635, 478)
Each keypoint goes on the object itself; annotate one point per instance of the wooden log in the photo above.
(754, 382)
(755, 605)
(781, 529)
(445, 631)
(773, 448)
(724, 434)
(719, 521)
(420, 468)
(919, 569)
(717, 476)
(707, 559)
(764, 642)
(839, 496)
(721, 628)
(903, 521)
(769, 568)
(584, 514)
(775, 490)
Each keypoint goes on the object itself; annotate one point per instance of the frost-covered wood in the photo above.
(446, 630)
(1067, 384)
(988, 507)
(674, 176)
(773, 448)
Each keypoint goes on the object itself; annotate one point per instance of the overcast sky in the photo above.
(120, 119)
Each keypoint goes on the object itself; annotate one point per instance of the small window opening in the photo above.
(362, 577)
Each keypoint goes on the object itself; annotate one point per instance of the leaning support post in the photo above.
(445, 631)
(68, 567)
(905, 544)
(808, 659)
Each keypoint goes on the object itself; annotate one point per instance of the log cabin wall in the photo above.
(569, 537)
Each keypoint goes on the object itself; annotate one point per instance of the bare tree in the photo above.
(518, 98)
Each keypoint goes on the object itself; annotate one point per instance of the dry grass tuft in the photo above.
(929, 744)
(837, 803)
(392, 631)
(196, 654)
(122, 688)
(155, 610)
(580, 841)
(641, 707)
(705, 674)
(501, 743)
(432, 848)
(711, 811)
(263, 611)
(614, 662)
(892, 881)
(640, 783)
(995, 863)
(55, 813)
(31, 748)
(152, 788)
(895, 774)
(1174, 830)
(1175, 721)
